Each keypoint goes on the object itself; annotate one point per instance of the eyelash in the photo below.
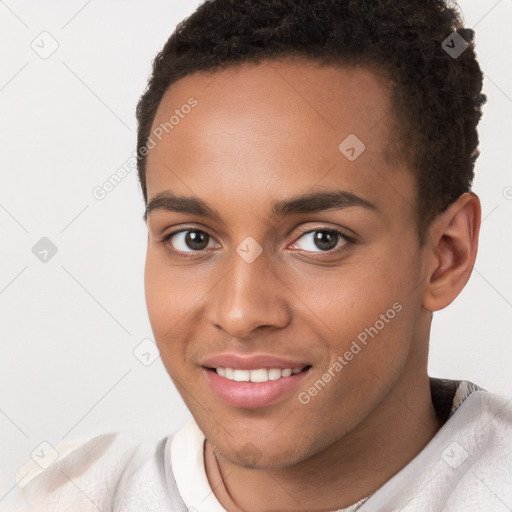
(349, 241)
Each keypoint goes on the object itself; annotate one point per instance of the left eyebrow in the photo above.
(319, 201)
(310, 203)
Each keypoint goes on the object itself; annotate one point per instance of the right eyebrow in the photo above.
(167, 201)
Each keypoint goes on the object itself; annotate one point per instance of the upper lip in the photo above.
(251, 361)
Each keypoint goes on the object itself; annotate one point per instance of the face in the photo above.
(259, 271)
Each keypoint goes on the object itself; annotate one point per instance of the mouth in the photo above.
(255, 388)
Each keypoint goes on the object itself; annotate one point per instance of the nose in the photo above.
(249, 296)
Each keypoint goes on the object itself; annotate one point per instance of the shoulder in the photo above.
(478, 435)
(475, 458)
(467, 465)
(94, 473)
(492, 411)
(48, 460)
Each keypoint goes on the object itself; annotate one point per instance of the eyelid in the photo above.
(180, 229)
(346, 233)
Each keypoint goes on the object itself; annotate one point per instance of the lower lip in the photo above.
(251, 395)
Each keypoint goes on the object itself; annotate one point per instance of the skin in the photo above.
(267, 132)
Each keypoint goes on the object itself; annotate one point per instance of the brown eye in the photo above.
(322, 240)
(188, 240)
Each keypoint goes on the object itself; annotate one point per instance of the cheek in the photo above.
(370, 311)
(348, 299)
(169, 299)
(158, 292)
(176, 297)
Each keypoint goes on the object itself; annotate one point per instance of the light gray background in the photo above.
(69, 326)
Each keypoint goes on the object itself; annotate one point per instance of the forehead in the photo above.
(274, 128)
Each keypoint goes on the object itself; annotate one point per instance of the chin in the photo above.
(263, 456)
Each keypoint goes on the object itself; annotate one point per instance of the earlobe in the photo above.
(454, 243)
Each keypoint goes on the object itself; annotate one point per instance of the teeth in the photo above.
(259, 375)
(241, 375)
(274, 374)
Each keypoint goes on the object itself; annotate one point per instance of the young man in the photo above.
(306, 168)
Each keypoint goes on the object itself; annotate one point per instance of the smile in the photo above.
(256, 388)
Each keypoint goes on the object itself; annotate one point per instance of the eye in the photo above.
(187, 241)
(323, 240)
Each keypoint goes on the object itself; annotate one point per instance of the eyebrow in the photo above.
(309, 203)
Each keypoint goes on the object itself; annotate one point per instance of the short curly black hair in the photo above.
(436, 94)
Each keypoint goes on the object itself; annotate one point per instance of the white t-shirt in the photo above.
(467, 466)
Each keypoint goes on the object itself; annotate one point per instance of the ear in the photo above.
(452, 245)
